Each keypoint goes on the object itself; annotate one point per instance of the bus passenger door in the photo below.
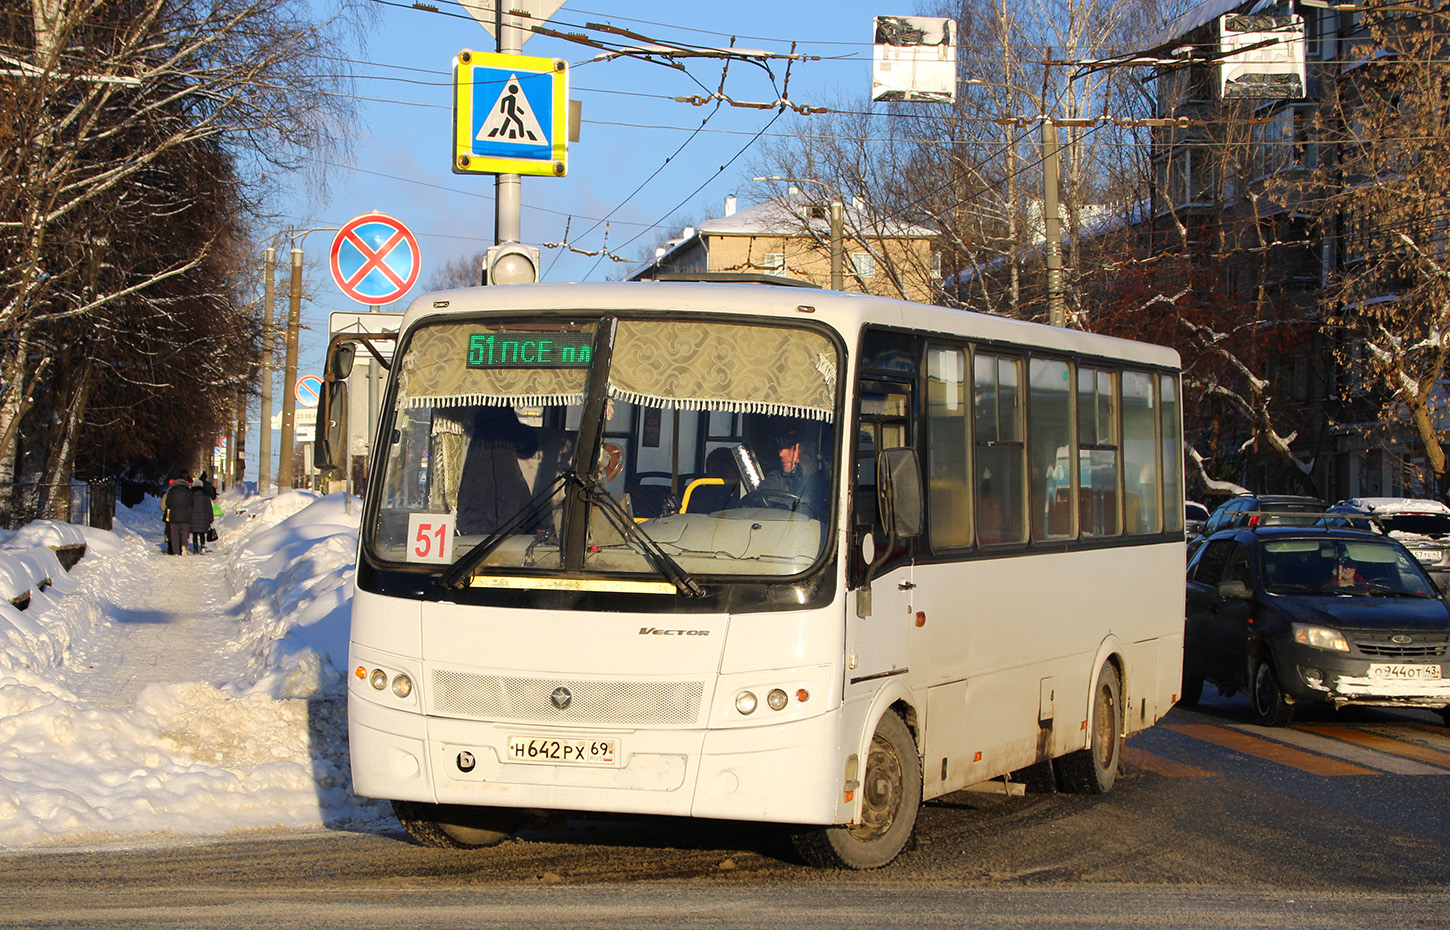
(879, 614)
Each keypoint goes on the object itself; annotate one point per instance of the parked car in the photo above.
(1258, 510)
(1195, 516)
(1264, 509)
(1421, 526)
(1318, 614)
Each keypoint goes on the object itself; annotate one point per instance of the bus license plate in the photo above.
(1427, 555)
(1405, 672)
(563, 750)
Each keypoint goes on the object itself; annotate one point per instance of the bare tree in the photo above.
(1386, 196)
(126, 120)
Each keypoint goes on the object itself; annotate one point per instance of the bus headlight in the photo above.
(776, 699)
(745, 702)
(378, 679)
(402, 685)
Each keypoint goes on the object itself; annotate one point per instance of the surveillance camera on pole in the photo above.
(511, 263)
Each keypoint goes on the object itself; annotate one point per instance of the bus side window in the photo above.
(1097, 436)
(1000, 466)
(949, 488)
(1142, 485)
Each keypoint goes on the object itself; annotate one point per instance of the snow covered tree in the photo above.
(1386, 192)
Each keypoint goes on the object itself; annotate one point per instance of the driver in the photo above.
(801, 475)
(1345, 575)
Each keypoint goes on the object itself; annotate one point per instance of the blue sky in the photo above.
(619, 167)
(630, 126)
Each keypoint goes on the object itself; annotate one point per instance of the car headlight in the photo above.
(1320, 637)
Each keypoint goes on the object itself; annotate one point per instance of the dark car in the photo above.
(1323, 614)
(1421, 526)
(1263, 509)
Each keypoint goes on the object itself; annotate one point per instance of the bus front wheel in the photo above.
(1094, 769)
(453, 826)
(890, 798)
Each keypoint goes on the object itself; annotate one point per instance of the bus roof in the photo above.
(844, 312)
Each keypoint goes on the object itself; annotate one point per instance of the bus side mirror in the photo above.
(329, 449)
(898, 482)
(339, 362)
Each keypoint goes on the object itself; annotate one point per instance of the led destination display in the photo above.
(530, 350)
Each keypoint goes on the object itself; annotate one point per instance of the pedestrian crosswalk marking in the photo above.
(1346, 750)
(1384, 744)
(1270, 751)
(1141, 758)
(1320, 749)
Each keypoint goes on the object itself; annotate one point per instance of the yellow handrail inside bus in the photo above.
(690, 489)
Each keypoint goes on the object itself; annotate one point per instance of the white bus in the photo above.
(759, 553)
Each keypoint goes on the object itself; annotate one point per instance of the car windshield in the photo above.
(706, 445)
(1433, 525)
(1342, 567)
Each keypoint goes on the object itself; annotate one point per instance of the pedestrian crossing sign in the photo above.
(510, 114)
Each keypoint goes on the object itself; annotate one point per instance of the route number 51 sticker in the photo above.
(430, 537)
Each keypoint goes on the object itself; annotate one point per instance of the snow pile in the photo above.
(152, 694)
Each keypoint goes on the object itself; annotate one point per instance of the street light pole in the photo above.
(837, 248)
(269, 360)
(289, 370)
(838, 211)
(1051, 213)
(1052, 225)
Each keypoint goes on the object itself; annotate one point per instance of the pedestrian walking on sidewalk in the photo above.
(200, 516)
(176, 508)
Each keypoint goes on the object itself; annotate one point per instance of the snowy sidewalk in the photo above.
(195, 695)
(169, 622)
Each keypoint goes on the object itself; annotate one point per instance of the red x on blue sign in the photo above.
(374, 259)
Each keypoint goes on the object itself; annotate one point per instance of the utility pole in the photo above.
(289, 372)
(1052, 224)
(269, 360)
(837, 248)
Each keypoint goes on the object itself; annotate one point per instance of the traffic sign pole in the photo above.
(508, 223)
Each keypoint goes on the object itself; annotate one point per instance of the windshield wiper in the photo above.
(624, 525)
(456, 576)
(1387, 591)
(463, 568)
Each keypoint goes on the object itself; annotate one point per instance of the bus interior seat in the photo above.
(648, 492)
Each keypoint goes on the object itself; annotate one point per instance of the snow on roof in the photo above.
(783, 217)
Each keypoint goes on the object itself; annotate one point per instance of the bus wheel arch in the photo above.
(453, 826)
(1094, 769)
(890, 799)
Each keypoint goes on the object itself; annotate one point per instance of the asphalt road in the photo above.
(1339, 821)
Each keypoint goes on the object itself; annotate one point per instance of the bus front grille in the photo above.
(536, 700)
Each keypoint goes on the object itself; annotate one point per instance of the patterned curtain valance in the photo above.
(724, 366)
(657, 363)
(434, 373)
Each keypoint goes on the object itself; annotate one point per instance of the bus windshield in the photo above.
(599, 446)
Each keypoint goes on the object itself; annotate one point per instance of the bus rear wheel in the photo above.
(890, 798)
(1094, 769)
(455, 826)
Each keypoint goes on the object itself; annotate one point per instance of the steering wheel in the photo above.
(778, 499)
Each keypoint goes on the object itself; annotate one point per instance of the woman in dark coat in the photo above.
(200, 515)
